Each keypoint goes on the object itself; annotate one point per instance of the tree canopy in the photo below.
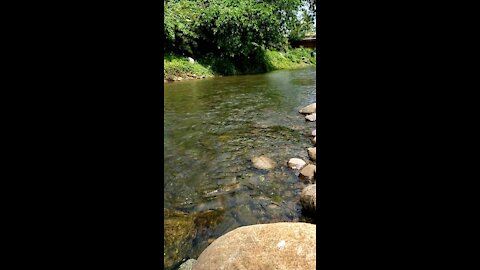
(233, 28)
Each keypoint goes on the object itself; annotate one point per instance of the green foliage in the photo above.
(219, 65)
(294, 58)
(178, 66)
(239, 28)
(265, 60)
(180, 32)
(232, 35)
(303, 26)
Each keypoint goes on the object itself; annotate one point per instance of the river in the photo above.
(212, 129)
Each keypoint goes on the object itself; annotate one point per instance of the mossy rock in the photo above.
(179, 231)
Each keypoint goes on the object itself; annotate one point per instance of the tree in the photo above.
(231, 28)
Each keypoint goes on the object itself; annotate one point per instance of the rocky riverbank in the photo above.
(307, 172)
(280, 245)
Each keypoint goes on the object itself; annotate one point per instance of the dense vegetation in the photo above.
(176, 66)
(233, 36)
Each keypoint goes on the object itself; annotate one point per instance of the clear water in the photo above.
(212, 129)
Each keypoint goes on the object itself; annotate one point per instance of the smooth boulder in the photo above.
(314, 140)
(263, 163)
(312, 108)
(296, 163)
(311, 117)
(284, 245)
(314, 133)
(308, 198)
(312, 153)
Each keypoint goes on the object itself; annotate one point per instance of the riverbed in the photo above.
(212, 129)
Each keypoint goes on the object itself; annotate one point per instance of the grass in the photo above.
(294, 58)
(178, 66)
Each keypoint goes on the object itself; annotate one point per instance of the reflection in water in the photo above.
(213, 127)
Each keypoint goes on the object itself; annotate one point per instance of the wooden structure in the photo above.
(307, 42)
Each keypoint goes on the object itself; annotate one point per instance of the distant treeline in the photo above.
(236, 29)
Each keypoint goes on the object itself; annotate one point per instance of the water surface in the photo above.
(212, 129)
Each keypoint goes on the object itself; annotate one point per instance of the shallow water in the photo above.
(212, 129)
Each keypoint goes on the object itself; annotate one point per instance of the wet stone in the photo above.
(276, 176)
(296, 163)
(312, 108)
(311, 117)
(209, 218)
(263, 163)
(244, 215)
(228, 188)
(307, 172)
(312, 153)
(179, 231)
(215, 203)
(187, 265)
(308, 198)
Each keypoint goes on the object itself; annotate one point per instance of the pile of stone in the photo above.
(310, 111)
(307, 172)
(284, 245)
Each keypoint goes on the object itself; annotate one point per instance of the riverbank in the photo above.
(178, 67)
(297, 242)
(214, 130)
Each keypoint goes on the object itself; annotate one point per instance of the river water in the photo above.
(212, 129)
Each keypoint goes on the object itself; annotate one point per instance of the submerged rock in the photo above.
(275, 176)
(285, 245)
(244, 215)
(179, 231)
(263, 163)
(209, 218)
(308, 198)
(312, 153)
(229, 188)
(296, 163)
(308, 172)
(311, 117)
(312, 108)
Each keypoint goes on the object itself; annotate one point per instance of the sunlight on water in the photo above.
(213, 128)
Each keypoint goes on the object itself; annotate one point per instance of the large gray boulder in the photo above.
(285, 245)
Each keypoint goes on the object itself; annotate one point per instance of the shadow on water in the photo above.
(212, 129)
